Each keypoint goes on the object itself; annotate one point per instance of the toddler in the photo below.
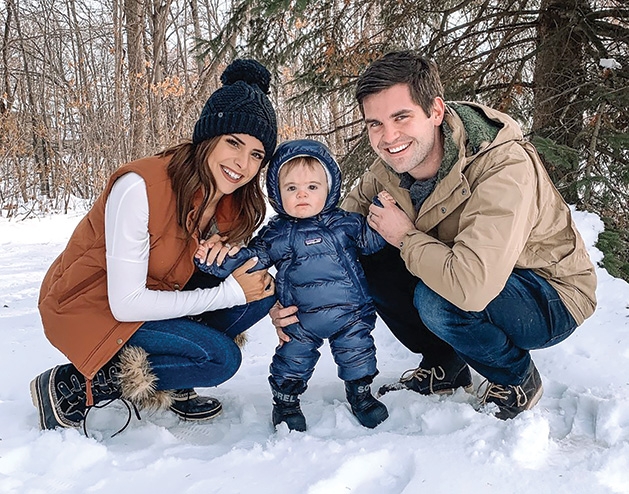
(315, 247)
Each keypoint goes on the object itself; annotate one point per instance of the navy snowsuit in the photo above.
(317, 271)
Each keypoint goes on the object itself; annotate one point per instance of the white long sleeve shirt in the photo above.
(127, 250)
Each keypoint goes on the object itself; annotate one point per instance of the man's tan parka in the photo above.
(495, 210)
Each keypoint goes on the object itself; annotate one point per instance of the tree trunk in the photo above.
(38, 124)
(134, 15)
(155, 92)
(194, 9)
(558, 78)
(8, 91)
(118, 79)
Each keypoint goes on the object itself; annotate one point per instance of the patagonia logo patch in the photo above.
(313, 241)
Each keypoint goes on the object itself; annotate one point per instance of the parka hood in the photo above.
(303, 148)
(465, 129)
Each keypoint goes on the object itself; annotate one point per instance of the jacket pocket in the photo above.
(81, 287)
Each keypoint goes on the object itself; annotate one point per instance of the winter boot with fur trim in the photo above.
(138, 382)
(59, 394)
(369, 411)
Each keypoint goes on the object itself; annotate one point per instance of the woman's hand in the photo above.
(256, 285)
(214, 249)
(281, 317)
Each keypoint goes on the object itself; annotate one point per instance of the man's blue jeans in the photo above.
(186, 353)
(528, 314)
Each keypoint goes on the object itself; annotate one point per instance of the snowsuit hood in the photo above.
(297, 149)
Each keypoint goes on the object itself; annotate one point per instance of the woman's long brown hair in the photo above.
(189, 171)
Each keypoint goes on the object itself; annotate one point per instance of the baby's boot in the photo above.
(286, 409)
(369, 411)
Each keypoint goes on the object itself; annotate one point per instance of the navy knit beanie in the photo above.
(240, 106)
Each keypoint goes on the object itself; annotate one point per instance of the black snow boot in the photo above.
(188, 405)
(369, 411)
(429, 379)
(286, 404)
(59, 394)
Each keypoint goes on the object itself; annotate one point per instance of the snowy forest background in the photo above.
(87, 85)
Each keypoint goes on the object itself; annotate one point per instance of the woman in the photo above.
(113, 303)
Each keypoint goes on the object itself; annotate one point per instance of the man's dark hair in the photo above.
(402, 67)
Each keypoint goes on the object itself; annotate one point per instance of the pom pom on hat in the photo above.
(240, 106)
(248, 71)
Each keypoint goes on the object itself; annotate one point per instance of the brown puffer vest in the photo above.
(73, 299)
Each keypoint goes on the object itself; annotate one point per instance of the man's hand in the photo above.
(389, 220)
(281, 317)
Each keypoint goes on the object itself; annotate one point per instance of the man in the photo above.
(484, 262)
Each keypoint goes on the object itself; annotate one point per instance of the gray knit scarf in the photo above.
(478, 128)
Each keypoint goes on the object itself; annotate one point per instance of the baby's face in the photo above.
(303, 191)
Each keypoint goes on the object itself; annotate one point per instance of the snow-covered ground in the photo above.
(575, 440)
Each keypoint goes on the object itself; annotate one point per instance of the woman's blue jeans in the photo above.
(199, 351)
(528, 314)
